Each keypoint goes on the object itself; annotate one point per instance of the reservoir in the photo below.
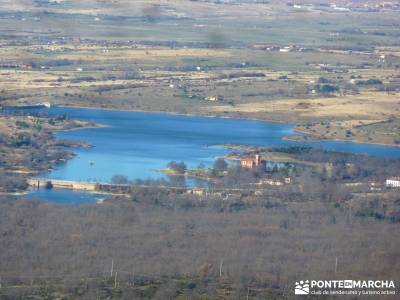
(139, 144)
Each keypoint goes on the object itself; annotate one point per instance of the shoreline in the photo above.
(294, 129)
(187, 174)
(53, 143)
(22, 193)
(175, 113)
(318, 138)
(97, 126)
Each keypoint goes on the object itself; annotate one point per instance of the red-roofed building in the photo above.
(251, 162)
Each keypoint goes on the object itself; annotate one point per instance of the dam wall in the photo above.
(63, 184)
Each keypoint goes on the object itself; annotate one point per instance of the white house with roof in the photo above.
(393, 182)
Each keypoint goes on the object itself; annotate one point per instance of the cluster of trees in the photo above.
(12, 183)
(26, 146)
(119, 179)
(220, 165)
(370, 82)
(326, 88)
(159, 245)
(323, 180)
(178, 167)
(51, 63)
(242, 75)
(344, 166)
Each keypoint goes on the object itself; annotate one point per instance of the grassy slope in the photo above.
(199, 22)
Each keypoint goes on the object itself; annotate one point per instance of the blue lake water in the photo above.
(140, 144)
(137, 144)
(61, 196)
(66, 196)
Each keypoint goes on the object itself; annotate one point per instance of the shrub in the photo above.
(22, 124)
(323, 80)
(326, 88)
(22, 140)
(370, 82)
(220, 165)
(48, 185)
(119, 179)
(12, 183)
(178, 167)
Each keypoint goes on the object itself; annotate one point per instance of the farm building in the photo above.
(393, 182)
(251, 162)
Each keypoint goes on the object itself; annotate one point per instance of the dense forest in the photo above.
(156, 245)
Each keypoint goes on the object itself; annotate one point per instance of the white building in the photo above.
(393, 182)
